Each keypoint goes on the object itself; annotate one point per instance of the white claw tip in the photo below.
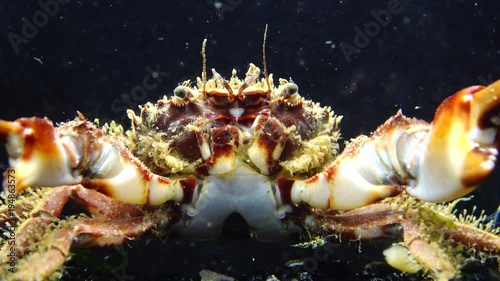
(398, 257)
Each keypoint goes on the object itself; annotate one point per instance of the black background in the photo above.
(93, 53)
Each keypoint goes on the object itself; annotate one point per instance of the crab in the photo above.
(219, 148)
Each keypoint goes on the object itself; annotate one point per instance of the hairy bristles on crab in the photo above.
(260, 150)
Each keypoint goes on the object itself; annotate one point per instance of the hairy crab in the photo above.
(263, 152)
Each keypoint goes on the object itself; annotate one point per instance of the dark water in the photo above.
(90, 55)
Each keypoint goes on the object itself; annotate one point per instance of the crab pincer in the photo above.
(225, 151)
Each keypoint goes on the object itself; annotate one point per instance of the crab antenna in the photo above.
(264, 59)
(204, 57)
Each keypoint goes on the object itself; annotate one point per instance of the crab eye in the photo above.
(290, 94)
(180, 92)
(291, 89)
(180, 97)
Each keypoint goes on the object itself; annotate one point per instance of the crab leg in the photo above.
(429, 235)
(55, 246)
(78, 152)
(113, 223)
(46, 213)
(434, 162)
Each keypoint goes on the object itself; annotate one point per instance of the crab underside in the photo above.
(43, 233)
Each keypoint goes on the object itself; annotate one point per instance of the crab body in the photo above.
(231, 146)
(254, 156)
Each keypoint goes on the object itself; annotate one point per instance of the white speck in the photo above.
(328, 42)
(467, 98)
(333, 46)
(155, 74)
(209, 224)
(217, 5)
(294, 263)
(418, 107)
(236, 112)
(38, 60)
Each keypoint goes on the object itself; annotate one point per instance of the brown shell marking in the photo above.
(222, 113)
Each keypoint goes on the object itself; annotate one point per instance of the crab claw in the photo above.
(435, 162)
(36, 155)
(78, 152)
(462, 145)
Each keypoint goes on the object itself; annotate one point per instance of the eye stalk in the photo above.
(289, 94)
(181, 96)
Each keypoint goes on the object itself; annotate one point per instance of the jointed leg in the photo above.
(44, 236)
(432, 236)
